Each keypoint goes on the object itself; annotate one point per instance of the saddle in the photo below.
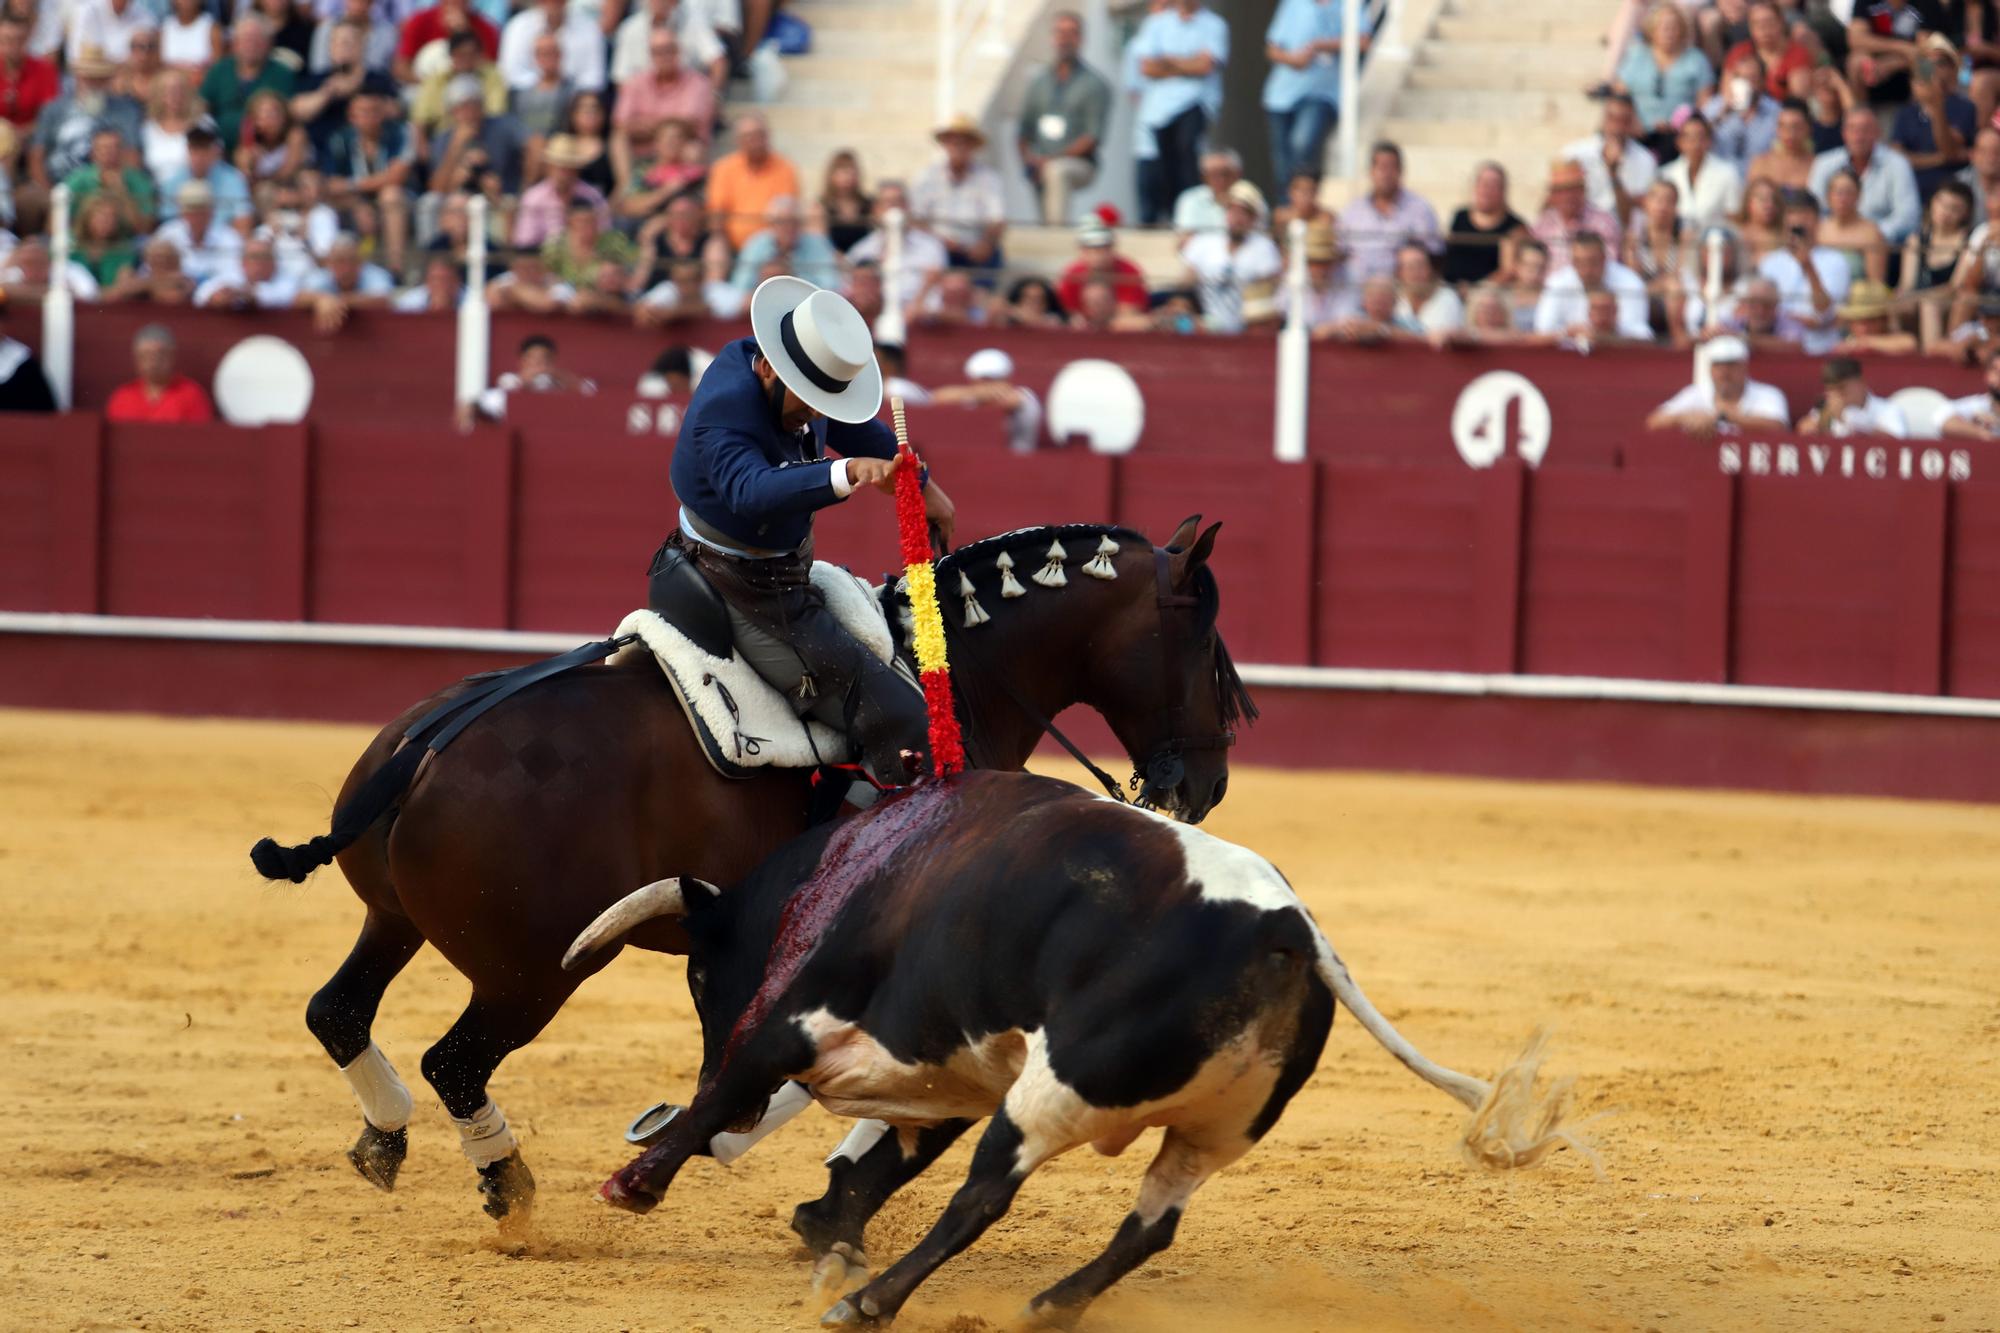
(742, 721)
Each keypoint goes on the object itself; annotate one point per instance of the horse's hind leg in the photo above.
(459, 1065)
(341, 1015)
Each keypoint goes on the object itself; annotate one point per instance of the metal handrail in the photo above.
(960, 24)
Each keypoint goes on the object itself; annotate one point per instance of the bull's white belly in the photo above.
(852, 1075)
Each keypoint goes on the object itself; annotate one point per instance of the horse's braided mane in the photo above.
(1029, 545)
(1035, 542)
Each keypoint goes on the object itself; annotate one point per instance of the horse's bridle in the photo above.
(1163, 769)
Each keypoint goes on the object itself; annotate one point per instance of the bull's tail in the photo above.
(382, 789)
(1513, 1123)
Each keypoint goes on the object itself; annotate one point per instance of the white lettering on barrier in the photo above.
(1479, 421)
(653, 419)
(1759, 459)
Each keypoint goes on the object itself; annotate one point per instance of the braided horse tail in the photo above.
(380, 792)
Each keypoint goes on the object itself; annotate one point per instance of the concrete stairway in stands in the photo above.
(1500, 80)
(870, 84)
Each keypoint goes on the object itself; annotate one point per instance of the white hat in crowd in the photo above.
(989, 363)
(1727, 348)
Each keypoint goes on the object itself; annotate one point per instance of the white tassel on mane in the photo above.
(975, 614)
(1099, 566)
(1009, 585)
(1051, 575)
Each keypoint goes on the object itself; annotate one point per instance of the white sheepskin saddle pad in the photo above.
(742, 721)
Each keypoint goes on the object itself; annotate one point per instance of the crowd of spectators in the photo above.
(1761, 171)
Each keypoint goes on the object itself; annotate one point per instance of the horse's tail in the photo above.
(350, 821)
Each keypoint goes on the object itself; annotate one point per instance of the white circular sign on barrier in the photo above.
(1923, 409)
(263, 379)
(1479, 425)
(1100, 401)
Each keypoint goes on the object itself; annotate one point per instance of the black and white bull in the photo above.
(1008, 945)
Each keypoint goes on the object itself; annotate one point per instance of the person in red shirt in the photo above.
(438, 22)
(1097, 256)
(26, 84)
(1788, 65)
(158, 394)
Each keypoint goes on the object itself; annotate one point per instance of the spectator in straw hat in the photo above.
(1327, 298)
(208, 245)
(545, 204)
(1725, 401)
(1097, 255)
(61, 139)
(1222, 263)
(960, 199)
(1865, 324)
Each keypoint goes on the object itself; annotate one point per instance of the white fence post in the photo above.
(1294, 355)
(475, 326)
(59, 305)
(1350, 92)
(892, 326)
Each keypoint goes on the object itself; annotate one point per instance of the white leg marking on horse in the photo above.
(486, 1137)
(384, 1100)
(787, 1102)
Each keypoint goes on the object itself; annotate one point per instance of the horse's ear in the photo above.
(1186, 563)
(1184, 533)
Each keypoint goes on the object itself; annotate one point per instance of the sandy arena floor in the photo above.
(1790, 1006)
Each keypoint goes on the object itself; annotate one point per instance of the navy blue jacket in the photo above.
(737, 472)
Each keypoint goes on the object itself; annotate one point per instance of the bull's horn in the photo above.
(662, 897)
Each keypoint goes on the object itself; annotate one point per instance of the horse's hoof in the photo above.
(841, 1269)
(650, 1126)
(508, 1186)
(627, 1198)
(848, 1314)
(378, 1155)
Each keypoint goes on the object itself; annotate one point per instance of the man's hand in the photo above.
(1614, 153)
(940, 511)
(877, 472)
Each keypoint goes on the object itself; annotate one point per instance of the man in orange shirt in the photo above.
(742, 184)
(158, 394)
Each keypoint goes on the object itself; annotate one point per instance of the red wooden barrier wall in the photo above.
(1656, 573)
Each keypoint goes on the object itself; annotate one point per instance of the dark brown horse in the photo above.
(546, 810)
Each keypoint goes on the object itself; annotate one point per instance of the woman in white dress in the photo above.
(173, 111)
(190, 39)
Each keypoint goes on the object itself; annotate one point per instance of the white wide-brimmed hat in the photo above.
(820, 346)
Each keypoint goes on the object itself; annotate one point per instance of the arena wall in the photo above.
(1639, 618)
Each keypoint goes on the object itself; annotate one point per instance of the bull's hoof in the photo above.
(378, 1155)
(1062, 1318)
(849, 1314)
(841, 1269)
(627, 1195)
(507, 1186)
(812, 1223)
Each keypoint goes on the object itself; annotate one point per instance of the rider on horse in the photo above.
(749, 470)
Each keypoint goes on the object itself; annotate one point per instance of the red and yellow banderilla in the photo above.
(920, 583)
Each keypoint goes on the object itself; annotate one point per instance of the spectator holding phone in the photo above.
(1936, 128)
